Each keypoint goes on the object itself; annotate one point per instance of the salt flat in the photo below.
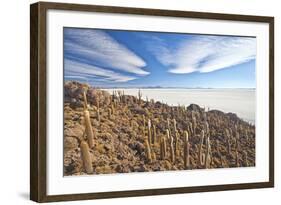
(239, 101)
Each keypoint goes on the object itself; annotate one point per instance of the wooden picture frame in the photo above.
(38, 100)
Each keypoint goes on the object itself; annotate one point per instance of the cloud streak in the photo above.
(85, 71)
(102, 50)
(204, 53)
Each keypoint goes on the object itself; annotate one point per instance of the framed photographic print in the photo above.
(134, 102)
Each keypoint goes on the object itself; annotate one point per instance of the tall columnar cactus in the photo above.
(205, 116)
(206, 128)
(207, 154)
(177, 150)
(186, 151)
(86, 157)
(172, 153)
(139, 96)
(194, 122)
(149, 131)
(148, 151)
(154, 135)
(201, 154)
(119, 95)
(190, 127)
(168, 124)
(175, 125)
(88, 125)
(163, 148)
(168, 134)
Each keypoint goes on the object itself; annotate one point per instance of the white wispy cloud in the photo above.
(204, 53)
(86, 71)
(102, 50)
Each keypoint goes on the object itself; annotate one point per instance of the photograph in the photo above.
(146, 101)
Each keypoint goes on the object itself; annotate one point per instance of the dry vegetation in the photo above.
(116, 133)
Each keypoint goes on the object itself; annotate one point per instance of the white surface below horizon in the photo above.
(238, 101)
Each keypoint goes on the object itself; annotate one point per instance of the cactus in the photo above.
(139, 96)
(175, 126)
(206, 128)
(148, 151)
(201, 154)
(154, 135)
(168, 124)
(163, 148)
(149, 130)
(186, 151)
(87, 161)
(177, 151)
(190, 128)
(194, 123)
(207, 154)
(168, 134)
(205, 116)
(172, 153)
(88, 125)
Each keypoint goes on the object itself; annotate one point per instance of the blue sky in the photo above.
(113, 58)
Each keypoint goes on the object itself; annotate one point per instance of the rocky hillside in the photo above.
(129, 134)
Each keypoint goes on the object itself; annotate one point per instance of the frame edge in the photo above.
(34, 187)
(38, 102)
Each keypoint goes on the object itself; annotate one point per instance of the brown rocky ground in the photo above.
(120, 132)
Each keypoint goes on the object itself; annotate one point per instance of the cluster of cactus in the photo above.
(205, 158)
(148, 151)
(169, 144)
